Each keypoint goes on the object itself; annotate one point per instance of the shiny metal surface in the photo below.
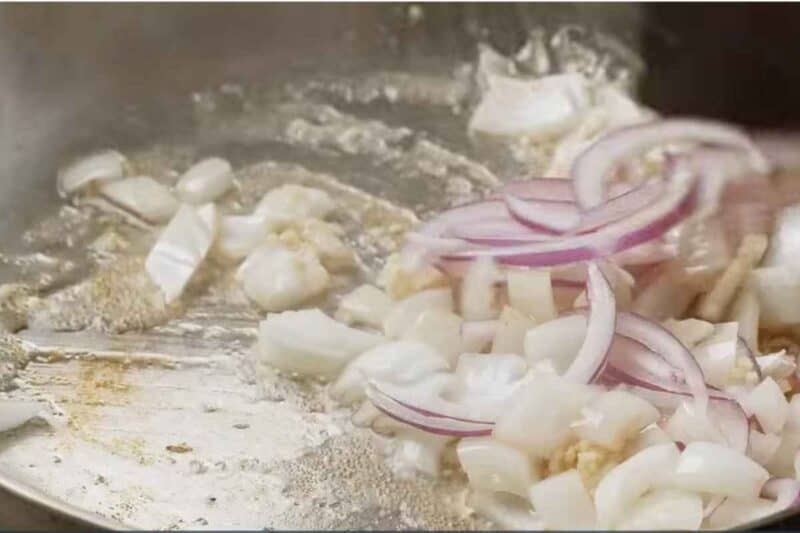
(73, 77)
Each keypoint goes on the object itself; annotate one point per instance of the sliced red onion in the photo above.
(593, 354)
(430, 424)
(657, 339)
(621, 206)
(593, 166)
(547, 189)
(498, 232)
(546, 215)
(640, 227)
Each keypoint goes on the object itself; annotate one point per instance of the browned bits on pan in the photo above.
(179, 448)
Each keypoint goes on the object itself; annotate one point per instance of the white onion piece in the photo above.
(664, 509)
(540, 109)
(593, 353)
(778, 290)
(439, 329)
(785, 239)
(629, 480)
(768, 404)
(477, 335)
(558, 341)
(717, 469)
(142, 196)
(487, 380)
(395, 362)
(613, 418)
(108, 165)
(717, 354)
(652, 435)
(782, 462)
(777, 365)
(478, 293)
(324, 238)
(181, 248)
(205, 181)
(366, 304)
(549, 404)
(592, 168)
(763, 446)
(511, 329)
(413, 451)
(241, 234)
(405, 312)
(687, 425)
(492, 465)
(291, 203)
(311, 343)
(277, 278)
(505, 510)
(690, 331)
(531, 292)
(563, 502)
(14, 413)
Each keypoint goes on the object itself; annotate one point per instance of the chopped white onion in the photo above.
(310, 342)
(507, 511)
(558, 340)
(478, 293)
(181, 248)
(365, 305)
(142, 196)
(277, 278)
(487, 379)
(717, 354)
(778, 290)
(241, 234)
(405, 312)
(205, 181)
(108, 165)
(688, 425)
(784, 244)
(768, 404)
(624, 484)
(291, 203)
(664, 509)
(763, 446)
(542, 108)
(563, 502)
(782, 462)
(413, 451)
(652, 435)
(614, 417)
(690, 331)
(549, 404)
(399, 362)
(511, 329)
(777, 365)
(440, 330)
(477, 336)
(531, 292)
(323, 238)
(717, 469)
(492, 465)
(746, 311)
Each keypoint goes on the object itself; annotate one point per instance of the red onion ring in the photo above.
(543, 215)
(591, 168)
(546, 189)
(639, 228)
(594, 351)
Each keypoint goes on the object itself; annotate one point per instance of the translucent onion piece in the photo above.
(477, 335)
(507, 511)
(291, 203)
(277, 278)
(241, 234)
(205, 181)
(531, 292)
(613, 418)
(441, 330)
(785, 240)
(107, 165)
(558, 341)
(665, 509)
(782, 462)
(309, 342)
(511, 329)
(487, 380)
(768, 404)
(623, 485)
(395, 362)
(548, 403)
(181, 248)
(717, 469)
(405, 312)
(778, 291)
(717, 354)
(595, 164)
(563, 502)
(142, 196)
(763, 446)
(365, 305)
(479, 297)
(494, 466)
